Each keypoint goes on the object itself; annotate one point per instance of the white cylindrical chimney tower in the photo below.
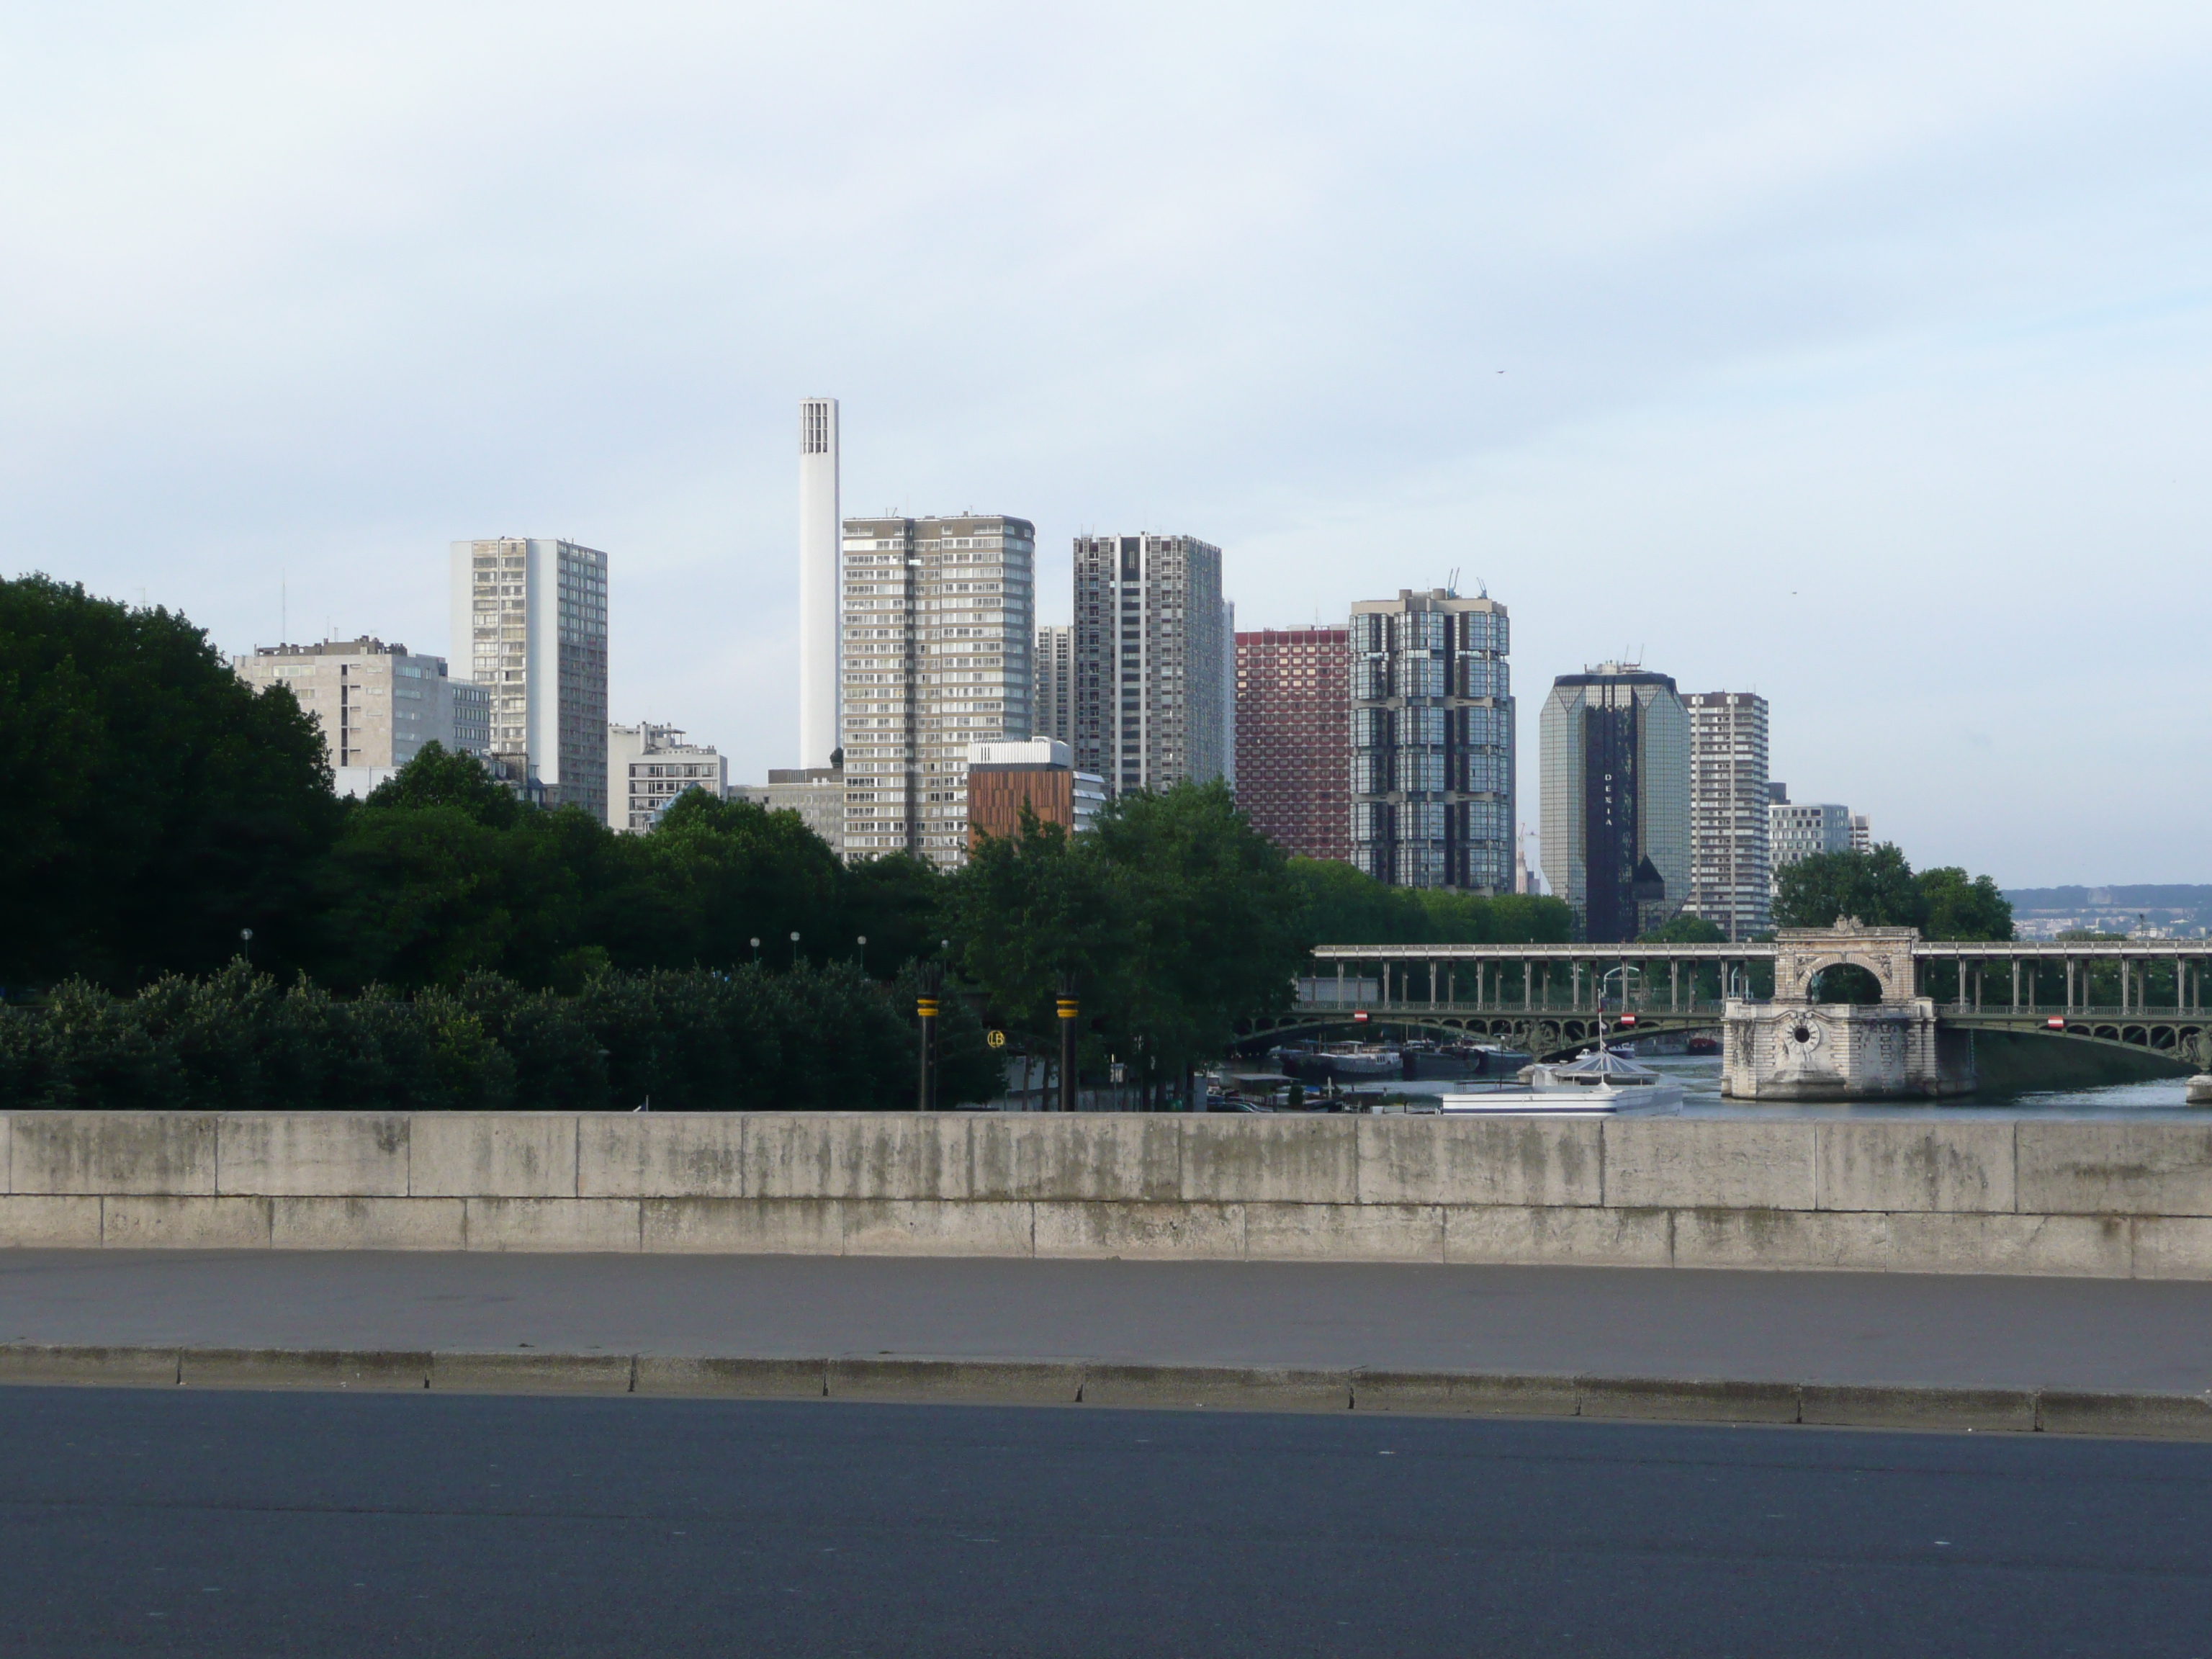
(819, 539)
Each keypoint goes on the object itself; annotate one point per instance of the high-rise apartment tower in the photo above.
(939, 626)
(530, 619)
(1149, 705)
(818, 518)
(1616, 771)
(1730, 883)
(1293, 745)
(1431, 741)
(1054, 714)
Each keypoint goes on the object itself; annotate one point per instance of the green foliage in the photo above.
(1176, 917)
(1846, 981)
(1687, 930)
(821, 1037)
(440, 777)
(1881, 889)
(1344, 906)
(151, 804)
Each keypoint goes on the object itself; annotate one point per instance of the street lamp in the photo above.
(860, 952)
(794, 947)
(246, 937)
(755, 952)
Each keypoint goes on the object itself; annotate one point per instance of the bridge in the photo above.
(2142, 995)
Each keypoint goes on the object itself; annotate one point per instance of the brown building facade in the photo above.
(1003, 777)
(1294, 739)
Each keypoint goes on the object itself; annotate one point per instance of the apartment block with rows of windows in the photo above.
(1431, 741)
(1150, 661)
(1729, 882)
(938, 627)
(530, 619)
(1293, 738)
(377, 704)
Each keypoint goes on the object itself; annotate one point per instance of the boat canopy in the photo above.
(1603, 1063)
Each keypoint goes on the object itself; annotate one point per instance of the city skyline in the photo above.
(1861, 356)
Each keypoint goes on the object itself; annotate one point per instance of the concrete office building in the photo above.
(1431, 741)
(1293, 737)
(649, 766)
(377, 704)
(1041, 774)
(1798, 829)
(819, 516)
(817, 794)
(1616, 810)
(940, 620)
(1150, 703)
(1730, 883)
(1861, 833)
(1054, 715)
(532, 618)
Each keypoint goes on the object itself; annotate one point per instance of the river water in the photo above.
(2157, 1098)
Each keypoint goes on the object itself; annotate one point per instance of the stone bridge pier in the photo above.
(1795, 1049)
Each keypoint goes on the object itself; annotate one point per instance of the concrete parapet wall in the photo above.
(1913, 1193)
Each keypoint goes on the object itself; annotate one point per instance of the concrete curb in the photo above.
(885, 1378)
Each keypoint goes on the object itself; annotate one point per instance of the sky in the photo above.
(1852, 354)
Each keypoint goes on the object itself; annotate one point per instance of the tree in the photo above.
(152, 804)
(440, 777)
(1877, 887)
(1345, 906)
(1881, 889)
(1687, 930)
(1954, 906)
(1176, 917)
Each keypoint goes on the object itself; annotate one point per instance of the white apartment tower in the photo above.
(1149, 693)
(1055, 683)
(530, 620)
(939, 625)
(818, 518)
(1729, 881)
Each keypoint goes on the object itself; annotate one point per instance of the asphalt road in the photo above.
(157, 1522)
(1962, 1330)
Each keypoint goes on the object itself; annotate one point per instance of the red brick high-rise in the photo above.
(1293, 738)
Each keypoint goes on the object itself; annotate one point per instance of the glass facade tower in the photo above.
(1616, 808)
(1431, 741)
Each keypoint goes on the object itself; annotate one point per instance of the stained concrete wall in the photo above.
(1916, 1193)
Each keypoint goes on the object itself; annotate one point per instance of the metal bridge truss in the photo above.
(1548, 999)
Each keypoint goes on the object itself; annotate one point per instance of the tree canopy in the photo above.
(1345, 906)
(1175, 917)
(152, 804)
(1880, 888)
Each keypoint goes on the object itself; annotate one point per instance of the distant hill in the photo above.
(2171, 908)
(2171, 895)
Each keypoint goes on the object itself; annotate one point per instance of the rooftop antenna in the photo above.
(283, 606)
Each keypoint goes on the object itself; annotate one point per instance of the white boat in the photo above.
(1597, 1081)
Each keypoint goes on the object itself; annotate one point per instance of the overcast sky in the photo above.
(1853, 354)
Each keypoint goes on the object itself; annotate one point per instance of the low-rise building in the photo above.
(1798, 830)
(817, 794)
(649, 766)
(377, 704)
(1041, 774)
